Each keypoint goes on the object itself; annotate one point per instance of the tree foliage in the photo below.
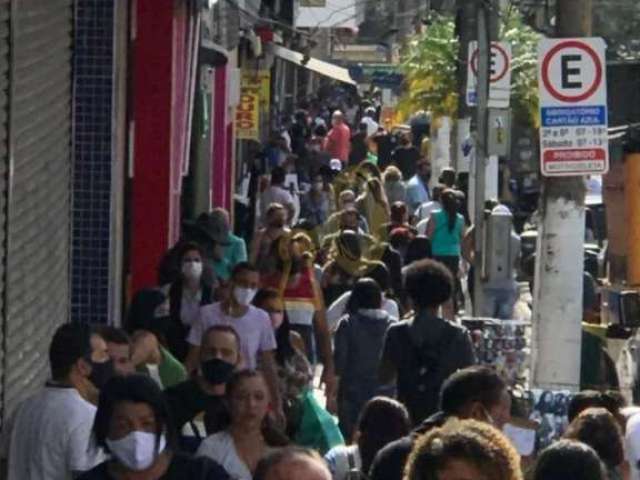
(430, 59)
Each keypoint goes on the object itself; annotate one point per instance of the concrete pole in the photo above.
(481, 156)
(557, 308)
(467, 10)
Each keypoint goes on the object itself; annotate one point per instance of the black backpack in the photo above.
(422, 373)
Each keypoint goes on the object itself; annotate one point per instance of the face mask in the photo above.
(276, 319)
(244, 296)
(101, 373)
(217, 371)
(192, 270)
(137, 451)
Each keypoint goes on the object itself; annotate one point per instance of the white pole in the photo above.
(557, 301)
(557, 307)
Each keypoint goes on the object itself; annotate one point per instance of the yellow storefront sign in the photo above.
(255, 95)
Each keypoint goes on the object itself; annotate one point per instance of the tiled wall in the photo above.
(93, 95)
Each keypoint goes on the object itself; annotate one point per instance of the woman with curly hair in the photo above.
(463, 450)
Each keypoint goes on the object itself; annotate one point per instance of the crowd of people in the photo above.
(351, 282)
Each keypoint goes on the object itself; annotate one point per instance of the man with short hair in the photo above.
(253, 326)
(368, 118)
(338, 141)
(423, 212)
(475, 392)
(48, 438)
(233, 253)
(119, 349)
(292, 463)
(219, 358)
(276, 193)
(418, 185)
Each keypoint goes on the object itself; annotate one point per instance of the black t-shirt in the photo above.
(423, 364)
(181, 467)
(187, 400)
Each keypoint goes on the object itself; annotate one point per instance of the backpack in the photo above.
(422, 373)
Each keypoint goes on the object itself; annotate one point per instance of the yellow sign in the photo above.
(255, 95)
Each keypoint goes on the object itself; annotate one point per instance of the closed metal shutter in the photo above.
(39, 193)
(4, 95)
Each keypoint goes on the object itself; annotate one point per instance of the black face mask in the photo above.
(216, 371)
(101, 373)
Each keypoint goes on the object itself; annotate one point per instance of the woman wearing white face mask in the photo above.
(133, 424)
(186, 296)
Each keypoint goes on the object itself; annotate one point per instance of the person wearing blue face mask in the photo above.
(133, 424)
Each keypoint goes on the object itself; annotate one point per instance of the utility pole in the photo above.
(481, 155)
(557, 308)
(467, 32)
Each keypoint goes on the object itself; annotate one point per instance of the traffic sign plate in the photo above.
(500, 75)
(573, 107)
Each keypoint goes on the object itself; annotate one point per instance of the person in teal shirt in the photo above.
(446, 230)
(233, 253)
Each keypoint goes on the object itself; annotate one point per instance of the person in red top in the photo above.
(338, 141)
(295, 281)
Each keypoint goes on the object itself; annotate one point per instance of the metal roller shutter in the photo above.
(4, 95)
(39, 194)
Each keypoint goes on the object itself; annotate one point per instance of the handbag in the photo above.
(318, 429)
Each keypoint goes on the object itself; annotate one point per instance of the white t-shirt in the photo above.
(338, 461)
(254, 329)
(424, 211)
(221, 449)
(372, 125)
(49, 437)
(337, 309)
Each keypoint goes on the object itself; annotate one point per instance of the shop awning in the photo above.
(323, 68)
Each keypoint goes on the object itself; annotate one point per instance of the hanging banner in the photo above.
(255, 92)
(265, 89)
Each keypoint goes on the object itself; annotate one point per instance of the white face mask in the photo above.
(137, 451)
(244, 296)
(192, 270)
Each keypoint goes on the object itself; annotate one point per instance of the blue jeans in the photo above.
(499, 302)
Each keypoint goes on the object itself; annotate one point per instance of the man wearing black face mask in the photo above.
(219, 358)
(48, 437)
